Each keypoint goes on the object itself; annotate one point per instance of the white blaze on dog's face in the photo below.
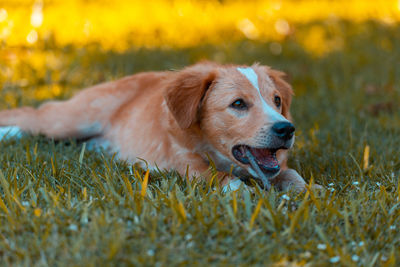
(245, 115)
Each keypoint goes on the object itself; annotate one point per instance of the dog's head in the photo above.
(242, 112)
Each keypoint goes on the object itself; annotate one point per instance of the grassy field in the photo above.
(63, 205)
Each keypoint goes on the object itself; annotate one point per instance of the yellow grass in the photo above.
(159, 23)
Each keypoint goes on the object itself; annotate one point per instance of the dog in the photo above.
(236, 117)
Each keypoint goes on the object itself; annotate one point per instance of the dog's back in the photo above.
(237, 116)
(89, 112)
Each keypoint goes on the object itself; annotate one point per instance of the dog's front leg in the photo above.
(290, 179)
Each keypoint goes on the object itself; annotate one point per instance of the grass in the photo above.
(180, 23)
(63, 205)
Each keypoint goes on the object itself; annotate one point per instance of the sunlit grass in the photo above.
(31, 30)
(159, 23)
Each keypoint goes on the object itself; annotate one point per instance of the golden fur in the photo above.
(170, 119)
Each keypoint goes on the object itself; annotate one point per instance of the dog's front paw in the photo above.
(290, 180)
(317, 187)
(232, 185)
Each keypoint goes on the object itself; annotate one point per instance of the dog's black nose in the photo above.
(284, 130)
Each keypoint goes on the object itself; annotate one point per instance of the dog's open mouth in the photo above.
(262, 160)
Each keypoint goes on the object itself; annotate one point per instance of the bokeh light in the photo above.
(121, 24)
(35, 35)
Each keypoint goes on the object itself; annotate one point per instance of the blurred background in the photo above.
(50, 48)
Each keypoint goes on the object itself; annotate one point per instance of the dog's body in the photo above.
(236, 116)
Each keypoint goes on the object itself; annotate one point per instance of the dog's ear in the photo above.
(284, 88)
(185, 93)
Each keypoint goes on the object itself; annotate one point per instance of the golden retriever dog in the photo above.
(234, 116)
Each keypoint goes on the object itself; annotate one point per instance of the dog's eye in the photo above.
(239, 104)
(278, 101)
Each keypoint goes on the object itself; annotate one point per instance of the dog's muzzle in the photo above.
(262, 159)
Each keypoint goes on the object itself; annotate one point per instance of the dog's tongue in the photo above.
(265, 157)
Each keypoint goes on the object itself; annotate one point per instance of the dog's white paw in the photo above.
(233, 185)
(10, 131)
